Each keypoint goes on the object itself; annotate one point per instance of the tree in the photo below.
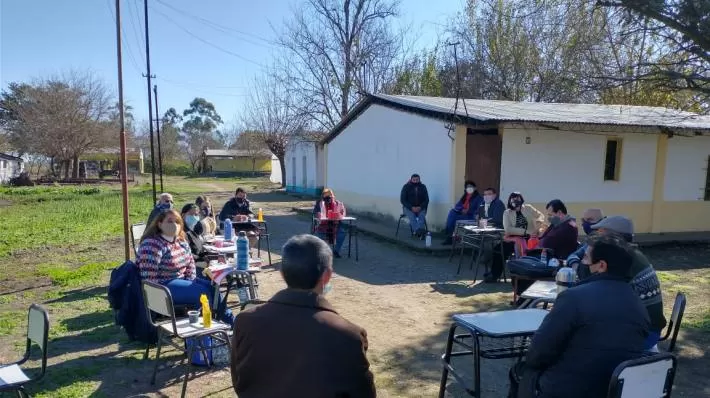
(251, 142)
(60, 117)
(417, 76)
(170, 135)
(200, 129)
(682, 28)
(270, 112)
(336, 48)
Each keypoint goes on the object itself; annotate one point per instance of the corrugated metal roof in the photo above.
(489, 110)
(237, 153)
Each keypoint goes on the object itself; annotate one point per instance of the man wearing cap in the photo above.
(415, 200)
(644, 280)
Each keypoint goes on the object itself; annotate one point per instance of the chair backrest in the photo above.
(136, 233)
(245, 279)
(676, 318)
(38, 332)
(647, 377)
(157, 298)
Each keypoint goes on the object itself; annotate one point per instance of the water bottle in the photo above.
(228, 230)
(565, 279)
(243, 294)
(543, 256)
(242, 257)
(427, 241)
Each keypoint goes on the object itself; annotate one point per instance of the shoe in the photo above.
(490, 279)
(336, 254)
(448, 241)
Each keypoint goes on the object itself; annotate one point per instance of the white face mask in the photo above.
(169, 229)
(327, 288)
(488, 198)
(470, 190)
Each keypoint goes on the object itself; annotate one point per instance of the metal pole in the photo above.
(122, 135)
(157, 132)
(150, 100)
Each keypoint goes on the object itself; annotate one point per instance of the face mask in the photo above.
(328, 199)
(515, 203)
(554, 220)
(165, 206)
(583, 271)
(488, 198)
(191, 221)
(587, 227)
(416, 183)
(169, 229)
(205, 212)
(470, 190)
(327, 288)
(241, 200)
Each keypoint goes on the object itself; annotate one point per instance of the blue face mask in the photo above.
(165, 206)
(191, 221)
(587, 227)
(327, 288)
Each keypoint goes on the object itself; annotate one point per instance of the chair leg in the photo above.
(157, 357)
(458, 270)
(147, 351)
(446, 358)
(268, 249)
(396, 232)
(188, 368)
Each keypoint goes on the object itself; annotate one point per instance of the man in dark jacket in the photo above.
(415, 201)
(492, 208)
(561, 236)
(592, 328)
(238, 206)
(296, 344)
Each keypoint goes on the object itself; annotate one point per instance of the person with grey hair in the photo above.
(165, 202)
(298, 336)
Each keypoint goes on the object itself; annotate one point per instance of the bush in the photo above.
(22, 180)
(173, 168)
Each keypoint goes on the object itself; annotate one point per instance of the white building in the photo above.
(650, 164)
(305, 166)
(10, 166)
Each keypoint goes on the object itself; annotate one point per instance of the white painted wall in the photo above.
(570, 166)
(686, 168)
(275, 177)
(9, 169)
(313, 169)
(376, 154)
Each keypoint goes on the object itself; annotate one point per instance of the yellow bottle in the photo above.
(260, 215)
(206, 312)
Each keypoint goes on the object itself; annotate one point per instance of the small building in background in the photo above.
(276, 176)
(106, 161)
(305, 164)
(10, 166)
(237, 162)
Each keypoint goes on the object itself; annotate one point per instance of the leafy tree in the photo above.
(199, 129)
(417, 76)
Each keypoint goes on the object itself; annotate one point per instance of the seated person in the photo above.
(298, 337)
(520, 222)
(164, 257)
(330, 230)
(592, 328)
(415, 201)
(465, 209)
(206, 215)
(165, 202)
(589, 218)
(192, 227)
(644, 280)
(561, 236)
(238, 210)
(492, 208)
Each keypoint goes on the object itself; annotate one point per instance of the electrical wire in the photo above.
(131, 59)
(186, 83)
(133, 10)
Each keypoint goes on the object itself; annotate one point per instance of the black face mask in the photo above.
(328, 199)
(206, 212)
(583, 271)
(515, 203)
(241, 200)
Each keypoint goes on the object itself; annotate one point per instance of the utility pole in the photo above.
(148, 76)
(157, 132)
(122, 135)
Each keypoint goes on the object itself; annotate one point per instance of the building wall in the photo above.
(276, 176)
(310, 180)
(9, 169)
(370, 161)
(241, 164)
(684, 207)
(570, 166)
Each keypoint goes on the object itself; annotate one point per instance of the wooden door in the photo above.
(483, 158)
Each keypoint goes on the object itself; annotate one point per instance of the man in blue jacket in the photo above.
(492, 208)
(592, 328)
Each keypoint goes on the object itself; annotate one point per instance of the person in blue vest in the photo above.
(465, 209)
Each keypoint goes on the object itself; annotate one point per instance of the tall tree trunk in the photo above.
(75, 167)
(282, 162)
(66, 165)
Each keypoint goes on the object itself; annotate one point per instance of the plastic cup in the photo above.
(483, 223)
(193, 316)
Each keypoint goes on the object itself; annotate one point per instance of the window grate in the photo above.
(707, 181)
(612, 159)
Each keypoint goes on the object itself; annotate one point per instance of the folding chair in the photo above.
(674, 324)
(12, 376)
(158, 299)
(137, 231)
(399, 222)
(649, 376)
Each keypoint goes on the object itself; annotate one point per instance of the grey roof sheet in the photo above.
(234, 153)
(490, 110)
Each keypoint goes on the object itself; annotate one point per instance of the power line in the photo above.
(131, 58)
(219, 27)
(186, 83)
(136, 31)
(207, 42)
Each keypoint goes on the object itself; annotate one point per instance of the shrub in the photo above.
(22, 180)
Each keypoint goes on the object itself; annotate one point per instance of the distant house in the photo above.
(305, 164)
(96, 161)
(10, 166)
(651, 164)
(237, 161)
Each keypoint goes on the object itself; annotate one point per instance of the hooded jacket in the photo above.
(414, 195)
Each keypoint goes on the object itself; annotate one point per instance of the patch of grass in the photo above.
(77, 389)
(63, 276)
(667, 277)
(10, 321)
(699, 321)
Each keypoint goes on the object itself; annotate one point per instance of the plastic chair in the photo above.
(158, 299)
(137, 231)
(649, 376)
(399, 222)
(12, 376)
(674, 324)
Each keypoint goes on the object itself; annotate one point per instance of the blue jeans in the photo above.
(186, 292)
(651, 339)
(452, 218)
(416, 221)
(339, 237)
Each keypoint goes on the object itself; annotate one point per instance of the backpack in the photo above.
(530, 267)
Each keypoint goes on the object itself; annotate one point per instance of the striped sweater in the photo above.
(162, 261)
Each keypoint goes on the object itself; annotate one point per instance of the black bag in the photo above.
(530, 267)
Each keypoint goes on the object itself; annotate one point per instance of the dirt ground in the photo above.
(405, 301)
